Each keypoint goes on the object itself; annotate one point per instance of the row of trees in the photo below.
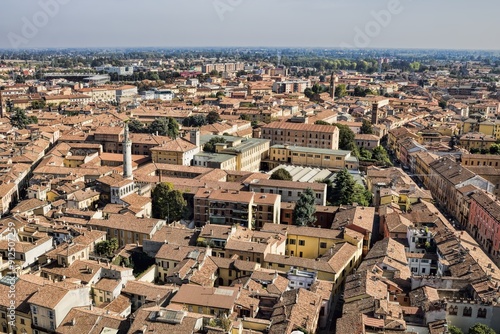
(200, 119)
(164, 126)
(494, 149)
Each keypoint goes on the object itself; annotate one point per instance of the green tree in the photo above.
(344, 188)
(366, 127)
(340, 90)
(360, 91)
(495, 149)
(211, 144)
(194, 120)
(365, 154)
(135, 126)
(321, 122)
(380, 154)
(106, 247)
(20, 120)
(305, 208)
(454, 330)
(443, 104)
(213, 117)
(164, 126)
(220, 94)
(346, 137)
(168, 203)
(281, 174)
(481, 329)
(361, 195)
(38, 104)
(415, 66)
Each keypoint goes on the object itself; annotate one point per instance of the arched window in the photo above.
(481, 313)
(453, 310)
(467, 312)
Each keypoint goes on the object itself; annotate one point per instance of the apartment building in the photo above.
(447, 176)
(477, 141)
(178, 151)
(291, 86)
(302, 134)
(248, 152)
(484, 221)
(243, 208)
(206, 300)
(312, 157)
(480, 160)
(367, 141)
(307, 242)
(289, 191)
(128, 229)
(51, 303)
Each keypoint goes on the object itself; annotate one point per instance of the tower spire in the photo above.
(127, 153)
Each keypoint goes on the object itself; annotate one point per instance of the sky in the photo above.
(429, 24)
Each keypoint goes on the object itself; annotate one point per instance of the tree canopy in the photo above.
(168, 203)
(380, 154)
(340, 90)
(366, 127)
(195, 120)
(135, 126)
(454, 330)
(20, 120)
(346, 191)
(481, 329)
(305, 208)
(211, 144)
(106, 247)
(164, 126)
(281, 174)
(213, 117)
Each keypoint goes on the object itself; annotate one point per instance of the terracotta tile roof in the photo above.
(107, 284)
(128, 223)
(148, 290)
(222, 297)
(302, 231)
(92, 321)
(179, 253)
(143, 321)
(205, 276)
(176, 235)
(296, 309)
(48, 296)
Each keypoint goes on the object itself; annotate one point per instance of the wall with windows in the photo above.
(464, 315)
(309, 247)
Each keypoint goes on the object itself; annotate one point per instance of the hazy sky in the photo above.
(456, 24)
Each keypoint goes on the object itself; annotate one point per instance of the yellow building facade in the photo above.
(313, 157)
